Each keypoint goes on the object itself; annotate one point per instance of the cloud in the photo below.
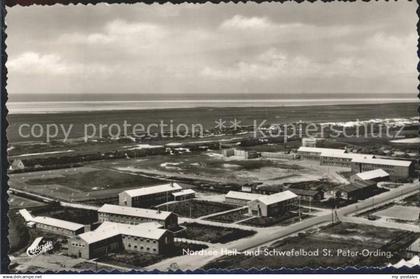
(267, 65)
(119, 32)
(32, 63)
(378, 56)
(245, 23)
(225, 49)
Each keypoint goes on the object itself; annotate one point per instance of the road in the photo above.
(268, 235)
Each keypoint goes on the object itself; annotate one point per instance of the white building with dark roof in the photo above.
(240, 198)
(147, 196)
(112, 237)
(134, 216)
(273, 205)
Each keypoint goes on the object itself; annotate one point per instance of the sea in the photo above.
(61, 102)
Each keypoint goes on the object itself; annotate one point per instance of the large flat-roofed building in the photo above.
(240, 198)
(340, 159)
(314, 153)
(134, 216)
(396, 168)
(113, 237)
(373, 175)
(148, 196)
(53, 225)
(273, 205)
(356, 191)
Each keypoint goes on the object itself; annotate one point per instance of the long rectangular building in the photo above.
(273, 205)
(112, 237)
(240, 198)
(134, 216)
(399, 169)
(339, 159)
(314, 153)
(147, 196)
(53, 225)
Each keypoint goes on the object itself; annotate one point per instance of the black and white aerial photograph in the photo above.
(212, 137)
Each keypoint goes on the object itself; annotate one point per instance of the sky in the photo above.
(213, 48)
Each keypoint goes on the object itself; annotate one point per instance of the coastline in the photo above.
(161, 105)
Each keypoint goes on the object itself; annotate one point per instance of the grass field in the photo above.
(284, 220)
(78, 184)
(341, 237)
(197, 208)
(404, 213)
(209, 166)
(94, 179)
(212, 234)
(231, 217)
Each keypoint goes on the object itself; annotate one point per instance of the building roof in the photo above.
(110, 229)
(57, 223)
(242, 195)
(134, 212)
(320, 150)
(355, 186)
(367, 175)
(415, 246)
(26, 215)
(388, 162)
(276, 198)
(153, 190)
(184, 192)
(351, 156)
(304, 192)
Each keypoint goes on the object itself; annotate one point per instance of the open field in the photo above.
(81, 183)
(212, 234)
(338, 240)
(138, 259)
(403, 213)
(210, 166)
(91, 179)
(231, 217)
(196, 208)
(284, 220)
